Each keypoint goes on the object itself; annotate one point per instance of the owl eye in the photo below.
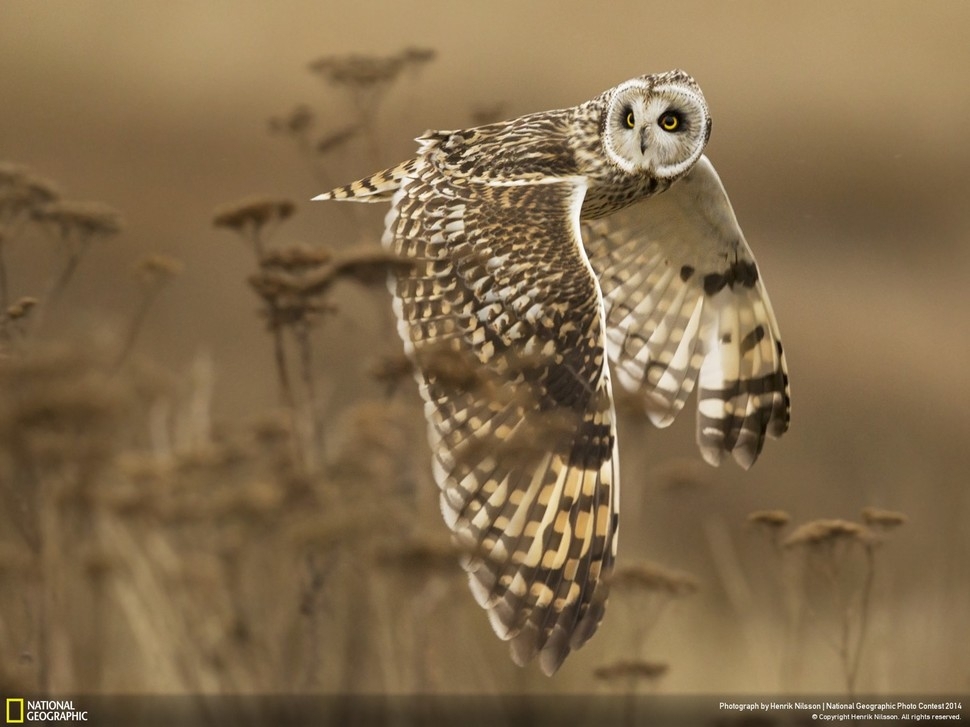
(670, 121)
(630, 119)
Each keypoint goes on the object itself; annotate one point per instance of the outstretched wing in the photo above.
(502, 314)
(684, 300)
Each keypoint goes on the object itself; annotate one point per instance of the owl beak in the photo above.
(643, 140)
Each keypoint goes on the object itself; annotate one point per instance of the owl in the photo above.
(543, 256)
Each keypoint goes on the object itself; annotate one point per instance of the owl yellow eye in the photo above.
(670, 122)
(630, 120)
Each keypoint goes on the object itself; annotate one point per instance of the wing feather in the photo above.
(502, 314)
(684, 303)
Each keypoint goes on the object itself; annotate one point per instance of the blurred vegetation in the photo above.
(146, 547)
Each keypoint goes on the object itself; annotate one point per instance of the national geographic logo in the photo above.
(20, 710)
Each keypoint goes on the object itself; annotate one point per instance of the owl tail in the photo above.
(378, 187)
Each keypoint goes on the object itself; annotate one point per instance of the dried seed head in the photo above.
(828, 532)
(358, 72)
(295, 259)
(157, 269)
(417, 56)
(366, 265)
(21, 308)
(59, 408)
(21, 191)
(883, 519)
(85, 219)
(648, 576)
(253, 213)
(12, 175)
(336, 139)
(41, 191)
(631, 669)
(297, 121)
(773, 519)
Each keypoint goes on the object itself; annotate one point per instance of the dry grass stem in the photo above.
(153, 273)
(77, 225)
(829, 545)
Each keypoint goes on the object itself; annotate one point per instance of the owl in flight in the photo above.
(544, 255)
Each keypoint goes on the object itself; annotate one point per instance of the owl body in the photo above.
(546, 254)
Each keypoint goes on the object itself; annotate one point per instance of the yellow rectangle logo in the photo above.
(15, 710)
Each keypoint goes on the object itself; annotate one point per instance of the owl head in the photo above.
(656, 124)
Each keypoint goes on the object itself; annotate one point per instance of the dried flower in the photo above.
(296, 258)
(41, 191)
(417, 56)
(157, 269)
(366, 265)
(296, 122)
(631, 669)
(86, 219)
(21, 308)
(333, 140)
(883, 519)
(828, 532)
(12, 175)
(355, 71)
(21, 191)
(648, 576)
(253, 213)
(774, 519)
(59, 408)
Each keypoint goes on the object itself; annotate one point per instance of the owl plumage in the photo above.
(539, 250)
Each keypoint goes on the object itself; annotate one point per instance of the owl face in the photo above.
(656, 125)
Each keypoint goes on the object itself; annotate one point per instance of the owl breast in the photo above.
(614, 191)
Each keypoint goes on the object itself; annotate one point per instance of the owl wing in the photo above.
(502, 315)
(684, 300)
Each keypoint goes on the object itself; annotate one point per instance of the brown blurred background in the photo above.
(840, 133)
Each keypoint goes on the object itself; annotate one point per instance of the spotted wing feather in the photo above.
(685, 303)
(502, 315)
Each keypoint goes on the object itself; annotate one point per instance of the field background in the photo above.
(174, 528)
